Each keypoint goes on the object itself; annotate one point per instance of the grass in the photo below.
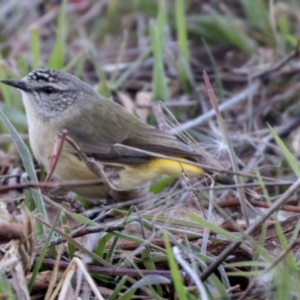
(170, 249)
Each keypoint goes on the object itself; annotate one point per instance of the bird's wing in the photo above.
(107, 129)
(134, 148)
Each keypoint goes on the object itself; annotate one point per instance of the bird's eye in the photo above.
(48, 90)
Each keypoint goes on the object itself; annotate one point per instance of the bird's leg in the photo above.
(53, 159)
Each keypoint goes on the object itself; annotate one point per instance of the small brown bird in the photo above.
(55, 100)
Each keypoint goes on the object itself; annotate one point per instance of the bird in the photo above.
(104, 131)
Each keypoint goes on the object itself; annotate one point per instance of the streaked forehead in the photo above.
(43, 75)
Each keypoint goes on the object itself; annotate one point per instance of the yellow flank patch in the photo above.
(135, 175)
(131, 176)
(174, 168)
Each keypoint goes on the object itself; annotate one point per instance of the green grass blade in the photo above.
(56, 59)
(287, 154)
(103, 88)
(5, 289)
(175, 273)
(100, 250)
(22, 64)
(35, 47)
(160, 185)
(181, 29)
(16, 116)
(133, 66)
(159, 85)
(67, 230)
(118, 288)
(4, 89)
(127, 295)
(213, 228)
(111, 250)
(183, 61)
(29, 167)
(259, 16)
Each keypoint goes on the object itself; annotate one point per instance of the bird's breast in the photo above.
(44, 144)
(42, 138)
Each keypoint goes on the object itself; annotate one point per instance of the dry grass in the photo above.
(190, 239)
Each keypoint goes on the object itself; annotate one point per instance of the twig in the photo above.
(51, 184)
(277, 65)
(111, 271)
(53, 160)
(88, 230)
(233, 202)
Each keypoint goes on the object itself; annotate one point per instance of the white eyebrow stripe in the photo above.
(41, 75)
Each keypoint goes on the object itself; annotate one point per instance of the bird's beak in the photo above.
(19, 84)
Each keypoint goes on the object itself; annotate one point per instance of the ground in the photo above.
(221, 76)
